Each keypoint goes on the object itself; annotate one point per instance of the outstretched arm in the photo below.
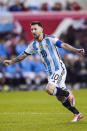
(70, 48)
(16, 59)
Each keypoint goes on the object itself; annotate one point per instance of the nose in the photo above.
(33, 31)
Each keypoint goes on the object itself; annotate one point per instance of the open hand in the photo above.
(7, 62)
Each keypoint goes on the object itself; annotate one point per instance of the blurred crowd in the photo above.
(31, 71)
(76, 65)
(36, 5)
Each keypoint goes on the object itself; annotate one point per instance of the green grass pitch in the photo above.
(38, 111)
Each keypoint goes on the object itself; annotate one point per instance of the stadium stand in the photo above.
(37, 5)
(15, 36)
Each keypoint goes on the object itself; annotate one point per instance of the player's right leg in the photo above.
(53, 87)
(53, 90)
(77, 115)
(69, 103)
(60, 90)
(63, 94)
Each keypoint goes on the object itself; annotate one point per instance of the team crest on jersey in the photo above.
(41, 46)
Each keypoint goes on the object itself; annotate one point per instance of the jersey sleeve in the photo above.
(29, 50)
(57, 42)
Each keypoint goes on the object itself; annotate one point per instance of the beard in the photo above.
(36, 37)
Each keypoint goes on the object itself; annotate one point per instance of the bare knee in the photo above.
(50, 88)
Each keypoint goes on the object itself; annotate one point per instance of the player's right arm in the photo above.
(16, 59)
(28, 51)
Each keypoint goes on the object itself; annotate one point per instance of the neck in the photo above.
(41, 37)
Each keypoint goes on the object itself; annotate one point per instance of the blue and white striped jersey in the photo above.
(47, 49)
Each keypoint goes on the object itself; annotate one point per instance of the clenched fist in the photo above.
(81, 51)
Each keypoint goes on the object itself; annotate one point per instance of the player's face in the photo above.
(36, 31)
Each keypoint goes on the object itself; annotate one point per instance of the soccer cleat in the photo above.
(71, 98)
(77, 117)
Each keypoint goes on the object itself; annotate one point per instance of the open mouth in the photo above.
(34, 34)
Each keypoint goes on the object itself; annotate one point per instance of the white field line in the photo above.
(33, 113)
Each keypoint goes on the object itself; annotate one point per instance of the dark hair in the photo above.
(36, 23)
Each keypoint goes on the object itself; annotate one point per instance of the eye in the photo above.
(31, 29)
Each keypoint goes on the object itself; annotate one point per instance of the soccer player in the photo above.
(46, 46)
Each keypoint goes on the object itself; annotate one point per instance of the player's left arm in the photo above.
(70, 48)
